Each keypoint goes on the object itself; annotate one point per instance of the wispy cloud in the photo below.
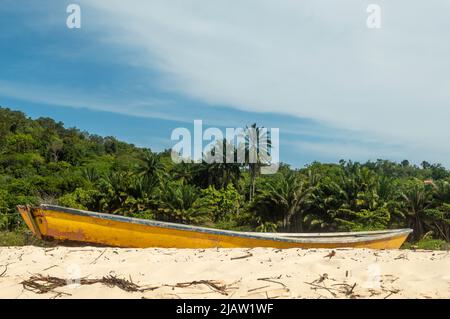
(62, 96)
(314, 59)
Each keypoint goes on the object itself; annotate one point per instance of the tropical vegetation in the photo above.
(41, 161)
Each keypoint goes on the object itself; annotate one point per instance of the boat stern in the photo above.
(27, 213)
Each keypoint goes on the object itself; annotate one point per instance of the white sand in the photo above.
(265, 273)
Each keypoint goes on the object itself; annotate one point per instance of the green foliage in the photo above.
(147, 214)
(176, 202)
(9, 217)
(348, 220)
(220, 205)
(11, 238)
(428, 244)
(20, 238)
(42, 161)
(281, 198)
(80, 198)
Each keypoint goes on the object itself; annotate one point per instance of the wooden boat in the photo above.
(60, 223)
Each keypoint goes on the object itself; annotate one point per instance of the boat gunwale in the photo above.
(351, 237)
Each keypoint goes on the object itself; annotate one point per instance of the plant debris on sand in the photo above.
(44, 284)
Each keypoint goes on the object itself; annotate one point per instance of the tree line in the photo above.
(41, 161)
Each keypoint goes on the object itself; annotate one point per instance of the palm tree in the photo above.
(440, 212)
(176, 200)
(354, 194)
(91, 174)
(219, 173)
(143, 191)
(416, 200)
(116, 187)
(442, 191)
(183, 172)
(284, 196)
(257, 148)
(151, 165)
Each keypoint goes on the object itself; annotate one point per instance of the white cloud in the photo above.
(75, 98)
(313, 59)
(387, 91)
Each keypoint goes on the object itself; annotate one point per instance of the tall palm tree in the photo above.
(257, 149)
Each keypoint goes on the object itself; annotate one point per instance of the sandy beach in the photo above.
(93, 272)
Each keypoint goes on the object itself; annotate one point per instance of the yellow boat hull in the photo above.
(65, 224)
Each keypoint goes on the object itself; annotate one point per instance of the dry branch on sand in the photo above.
(4, 271)
(213, 285)
(44, 284)
(335, 289)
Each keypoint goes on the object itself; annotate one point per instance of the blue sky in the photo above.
(335, 88)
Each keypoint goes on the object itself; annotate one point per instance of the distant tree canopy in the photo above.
(42, 161)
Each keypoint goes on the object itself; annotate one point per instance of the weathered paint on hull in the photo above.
(61, 225)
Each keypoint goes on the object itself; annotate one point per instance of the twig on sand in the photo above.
(213, 285)
(4, 271)
(321, 278)
(349, 292)
(242, 257)
(374, 292)
(254, 289)
(330, 255)
(95, 260)
(348, 289)
(41, 285)
(392, 292)
(50, 267)
(401, 256)
(44, 284)
(321, 287)
(59, 294)
(271, 279)
(78, 250)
